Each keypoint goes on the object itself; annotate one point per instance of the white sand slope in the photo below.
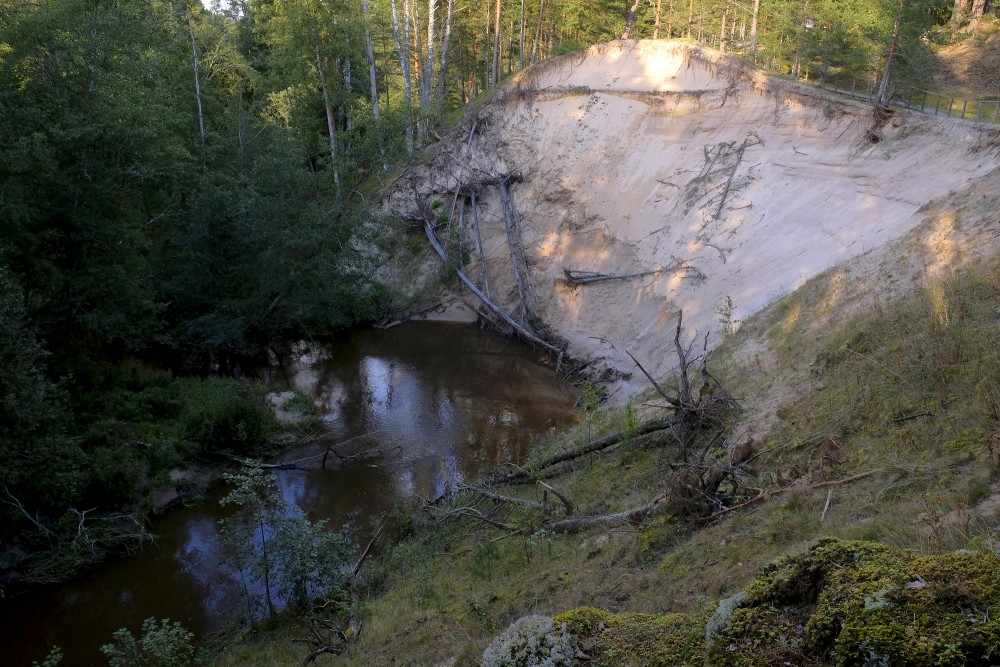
(648, 156)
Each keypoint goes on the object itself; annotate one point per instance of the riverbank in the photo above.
(892, 440)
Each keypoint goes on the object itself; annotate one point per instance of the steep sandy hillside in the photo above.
(719, 184)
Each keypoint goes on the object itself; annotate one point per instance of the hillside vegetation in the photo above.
(845, 513)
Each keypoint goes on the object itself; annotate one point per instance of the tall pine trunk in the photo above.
(496, 46)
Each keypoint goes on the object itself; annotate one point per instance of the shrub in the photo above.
(531, 641)
(163, 643)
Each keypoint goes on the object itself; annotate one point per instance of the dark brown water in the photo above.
(443, 402)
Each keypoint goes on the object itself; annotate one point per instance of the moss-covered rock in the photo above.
(838, 603)
(636, 639)
(856, 603)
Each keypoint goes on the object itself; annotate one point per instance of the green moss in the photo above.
(849, 603)
(650, 640)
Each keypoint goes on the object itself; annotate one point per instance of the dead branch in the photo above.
(515, 249)
(762, 494)
(499, 498)
(479, 243)
(629, 516)
(595, 446)
(33, 519)
(669, 399)
(521, 330)
(562, 498)
(577, 277)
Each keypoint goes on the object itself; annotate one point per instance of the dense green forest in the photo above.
(182, 189)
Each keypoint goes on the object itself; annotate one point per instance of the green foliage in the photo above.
(281, 557)
(238, 419)
(53, 659)
(163, 643)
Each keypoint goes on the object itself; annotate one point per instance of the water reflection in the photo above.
(442, 402)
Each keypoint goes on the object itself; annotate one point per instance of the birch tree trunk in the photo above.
(403, 48)
(418, 49)
(444, 50)
(331, 125)
(429, 66)
(197, 85)
(370, 48)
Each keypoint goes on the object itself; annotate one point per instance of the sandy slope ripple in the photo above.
(673, 159)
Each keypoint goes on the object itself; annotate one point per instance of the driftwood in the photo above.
(595, 446)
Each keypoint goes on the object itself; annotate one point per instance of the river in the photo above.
(442, 402)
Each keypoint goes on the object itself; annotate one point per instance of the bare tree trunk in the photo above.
(496, 47)
(429, 67)
(370, 48)
(626, 34)
(690, 18)
(538, 31)
(978, 9)
(418, 58)
(403, 48)
(959, 10)
(881, 98)
(753, 31)
(722, 32)
(514, 249)
(525, 333)
(479, 244)
(330, 123)
(197, 85)
(444, 50)
(656, 24)
(520, 53)
(486, 45)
